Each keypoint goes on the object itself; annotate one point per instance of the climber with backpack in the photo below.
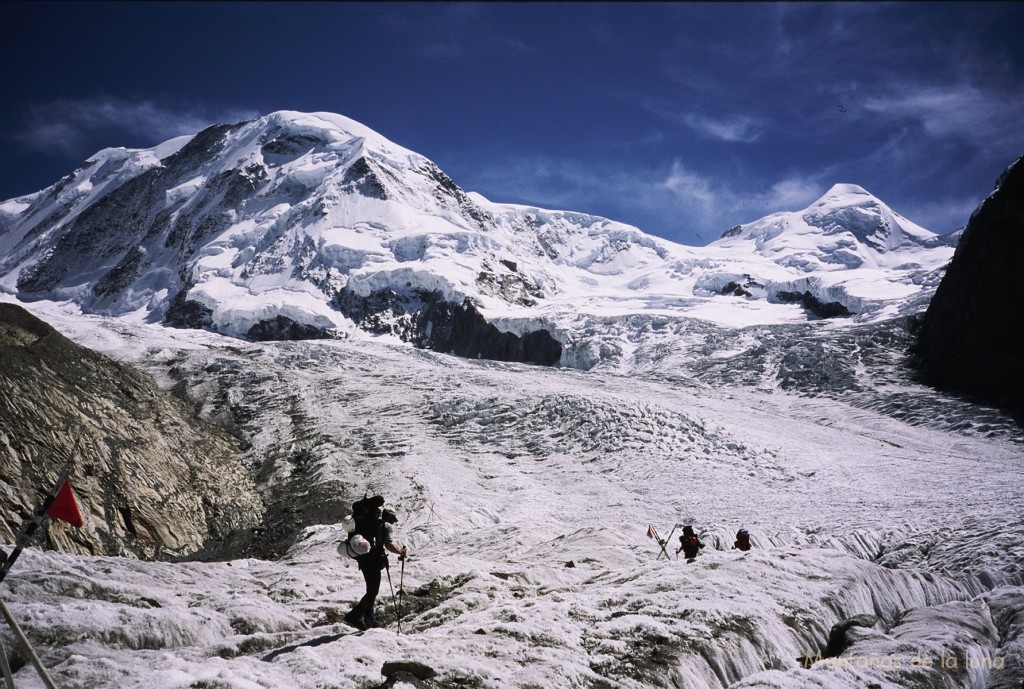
(689, 544)
(742, 540)
(369, 536)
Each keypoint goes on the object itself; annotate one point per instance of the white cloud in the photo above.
(986, 116)
(458, 30)
(792, 193)
(69, 126)
(689, 186)
(721, 198)
(730, 128)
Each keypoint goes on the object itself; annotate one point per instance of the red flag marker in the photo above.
(650, 531)
(65, 507)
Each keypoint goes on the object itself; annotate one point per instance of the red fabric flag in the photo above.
(650, 531)
(64, 506)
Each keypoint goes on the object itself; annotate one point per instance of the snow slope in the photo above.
(502, 475)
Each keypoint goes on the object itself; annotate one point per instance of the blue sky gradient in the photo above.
(682, 119)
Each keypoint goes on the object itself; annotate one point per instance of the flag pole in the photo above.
(23, 540)
(33, 524)
(20, 635)
(5, 667)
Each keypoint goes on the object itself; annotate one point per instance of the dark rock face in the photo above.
(970, 334)
(735, 289)
(361, 178)
(284, 328)
(186, 313)
(151, 479)
(462, 330)
(814, 305)
(427, 321)
(395, 668)
(288, 147)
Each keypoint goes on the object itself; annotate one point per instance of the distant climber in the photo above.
(374, 525)
(689, 544)
(742, 540)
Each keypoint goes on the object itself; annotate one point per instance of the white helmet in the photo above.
(349, 523)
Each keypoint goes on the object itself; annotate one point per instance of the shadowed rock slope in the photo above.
(969, 335)
(151, 479)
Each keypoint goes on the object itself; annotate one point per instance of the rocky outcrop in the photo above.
(970, 333)
(428, 321)
(814, 305)
(284, 328)
(461, 329)
(151, 479)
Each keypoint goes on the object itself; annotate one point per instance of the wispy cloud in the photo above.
(729, 128)
(791, 193)
(715, 202)
(733, 128)
(443, 50)
(688, 186)
(70, 127)
(461, 46)
(985, 115)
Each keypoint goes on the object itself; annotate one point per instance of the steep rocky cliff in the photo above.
(151, 479)
(969, 335)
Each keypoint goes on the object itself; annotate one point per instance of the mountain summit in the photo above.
(847, 227)
(300, 225)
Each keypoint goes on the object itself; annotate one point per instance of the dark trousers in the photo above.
(371, 575)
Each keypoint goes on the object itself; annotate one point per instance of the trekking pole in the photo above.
(401, 592)
(387, 568)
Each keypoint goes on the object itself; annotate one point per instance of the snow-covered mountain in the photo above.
(309, 225)
(845, 228)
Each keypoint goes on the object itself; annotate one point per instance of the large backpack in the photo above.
(364, 527)
(690, 545)
(742, 540)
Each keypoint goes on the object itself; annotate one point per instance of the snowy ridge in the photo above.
(318, 220)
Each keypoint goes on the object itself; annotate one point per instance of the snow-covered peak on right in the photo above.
(847, 227)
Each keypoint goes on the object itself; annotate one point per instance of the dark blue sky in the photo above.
(683, 119)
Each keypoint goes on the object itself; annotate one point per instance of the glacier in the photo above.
(524, 494)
